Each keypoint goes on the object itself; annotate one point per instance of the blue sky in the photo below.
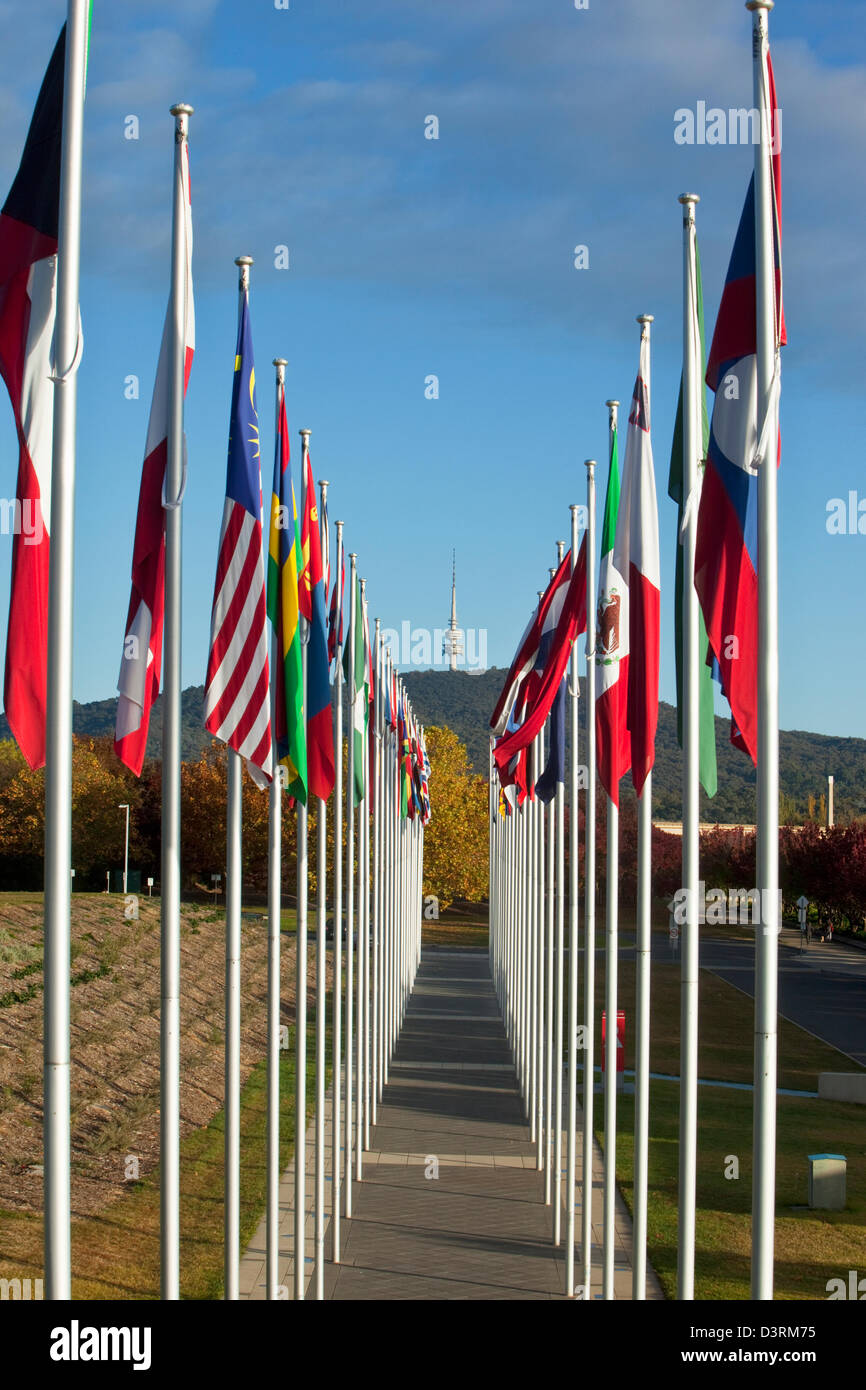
(454, 257)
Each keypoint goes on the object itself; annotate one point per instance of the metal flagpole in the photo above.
(548, 1047)
(692, 448)
(377, 899)
(169, 1031)
(301, 992)
(540, 1092)
(610, 994)
(643, 964)
(573, 809)
(560, 1005)
(363, 939)
(767, 948)
(350, 881)
(233, 1026)
(234, 888)
(589, 896)
(336, 1102)
(275, 807)
(321, 962)
(58, 714)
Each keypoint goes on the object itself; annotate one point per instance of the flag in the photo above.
(706, 718)
(405, 755)
(540, 627)
(611, 648)
(360, 705)
(28, 276)
(320, 729)
(284, 547)
(636, 558)
(141, 664)
(538, 690)
(326, 543)
(554, 770)
(236, 697)
(335, 629)
(726, 559)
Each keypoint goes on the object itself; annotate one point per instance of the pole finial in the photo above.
(181, 108)
(243, 263)
(611, 405)
(323, 482)
(689, 198)
(281, 361)
(760, 5)
(645, 318)
(305, 434)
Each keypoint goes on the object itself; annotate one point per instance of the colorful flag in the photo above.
(743, 431)
(284, 547)
(335, 630)
(320, 729)
(236, 697)
(706, 717)
(141, 664)
(636, 558)
(539, 629)
(538, 690)
(28, 275)
(361, 704)
(611, 648)
(554, 769)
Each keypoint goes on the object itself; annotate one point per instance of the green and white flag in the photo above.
(707, 723)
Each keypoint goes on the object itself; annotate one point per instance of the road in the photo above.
(822, 989)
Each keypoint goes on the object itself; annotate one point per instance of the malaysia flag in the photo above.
(726, 555)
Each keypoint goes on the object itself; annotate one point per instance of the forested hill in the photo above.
(464, 703)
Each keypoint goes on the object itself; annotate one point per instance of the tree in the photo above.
(455, 841)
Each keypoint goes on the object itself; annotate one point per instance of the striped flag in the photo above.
(141, 664)
(284, 547)
(28, 276)
(236, 698)
(611, 648)
(743, 431)
(636, 558)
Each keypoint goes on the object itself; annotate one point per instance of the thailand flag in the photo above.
(726, 557)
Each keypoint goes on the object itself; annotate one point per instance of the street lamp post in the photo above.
(124, 806)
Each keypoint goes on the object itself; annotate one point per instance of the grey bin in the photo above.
(827, 1181)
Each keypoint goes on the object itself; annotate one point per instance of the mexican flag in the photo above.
(706, 718)
(636, 558)
(611, 648)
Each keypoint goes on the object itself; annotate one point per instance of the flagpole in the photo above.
(589, 896)
(643, 965)
(58, 714)
(321, 964)
(550, 920)
(300, 1250)
(169, 1039)
(689, 963)
(766, 951)
(610, 993)
(377, 899)
(350, 883)
(234, 888)
(275, 811)
(337, 1041)
(363, 941)
(573, 808)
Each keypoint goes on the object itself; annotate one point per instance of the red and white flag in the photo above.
(28, 274)
(141, 665)
(636, 558)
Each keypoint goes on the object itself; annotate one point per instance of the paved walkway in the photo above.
(451, 1206)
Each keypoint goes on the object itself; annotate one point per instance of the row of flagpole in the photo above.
(526, 921)
(511, 943)
(394, 793)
